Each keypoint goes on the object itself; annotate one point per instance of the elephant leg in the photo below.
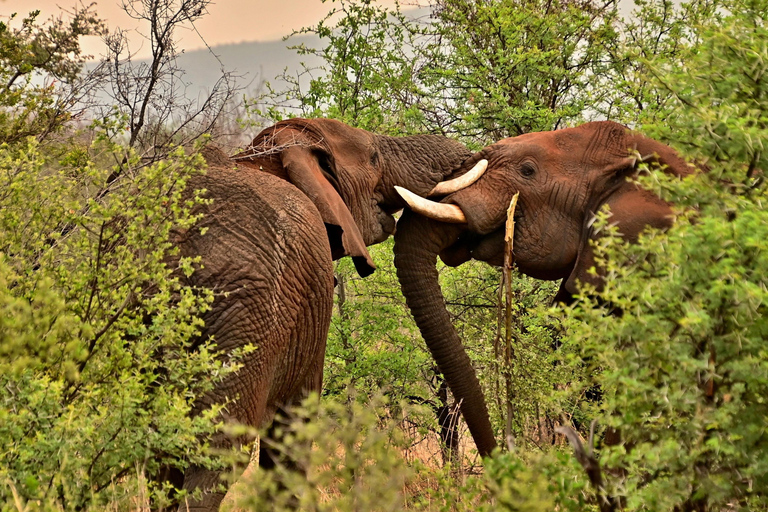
(268, 456)
(249, 408)
(214, 490)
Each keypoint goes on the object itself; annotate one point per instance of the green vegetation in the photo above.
(685, 368)
(97, 370)
(97, 366)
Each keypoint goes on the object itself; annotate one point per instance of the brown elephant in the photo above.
(306, 192)
(564, 177)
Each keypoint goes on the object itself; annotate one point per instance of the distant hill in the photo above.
(252, 62)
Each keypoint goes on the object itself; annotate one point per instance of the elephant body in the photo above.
(306, 192)
(271, 272)
(563, 177)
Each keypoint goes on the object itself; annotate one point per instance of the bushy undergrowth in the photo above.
(353, 456)
(684, 364)
(97, 377)
(97, 369)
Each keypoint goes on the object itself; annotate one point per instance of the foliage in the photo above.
(99, 361)
(522, 67)
(29, 108)
(538, 483)
(367, 79)
(623, 87)
(372, 340)
(356, 466)
(98, 370)
(507, 68)
(374, 346)
(353, 452)
(684, 365)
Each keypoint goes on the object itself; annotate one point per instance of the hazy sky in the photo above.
(228, 21)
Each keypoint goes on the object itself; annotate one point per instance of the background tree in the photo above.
(38, 108)
(623, 87)
(367, 79)
(503, 68)
(151, 94)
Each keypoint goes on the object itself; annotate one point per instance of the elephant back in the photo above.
(263, 250)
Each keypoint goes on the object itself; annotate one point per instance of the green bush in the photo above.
(98, 372)
(349, 454)
(684, 366)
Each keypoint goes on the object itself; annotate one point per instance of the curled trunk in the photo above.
(418, 241)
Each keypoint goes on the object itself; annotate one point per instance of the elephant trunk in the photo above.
(418, 241)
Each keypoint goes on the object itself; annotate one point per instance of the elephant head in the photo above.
(563, 178)
(350, 175)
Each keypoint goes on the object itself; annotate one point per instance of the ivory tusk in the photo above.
(438, 211)
(465, 180)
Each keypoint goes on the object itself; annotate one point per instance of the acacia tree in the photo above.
(623, 86)
(367, 73)
(506, 68)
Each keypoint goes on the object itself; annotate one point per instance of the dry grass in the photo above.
(422, 451)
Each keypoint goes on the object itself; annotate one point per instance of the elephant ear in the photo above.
(632, 208)
(654, 151)
(302, 167)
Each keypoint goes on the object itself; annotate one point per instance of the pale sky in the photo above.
(227, 21)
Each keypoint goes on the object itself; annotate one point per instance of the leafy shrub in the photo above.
(98, 370)
(684, 366)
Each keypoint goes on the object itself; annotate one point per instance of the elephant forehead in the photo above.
(537, 149)
(567, 140)
(343, 139)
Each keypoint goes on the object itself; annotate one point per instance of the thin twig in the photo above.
(509, 239)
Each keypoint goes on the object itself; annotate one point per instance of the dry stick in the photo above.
(509, 239)
(497, 367)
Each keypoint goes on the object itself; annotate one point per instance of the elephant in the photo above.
(304, 193)
(564, 177)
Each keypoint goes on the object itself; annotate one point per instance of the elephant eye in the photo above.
(527, 169)
(374, 159)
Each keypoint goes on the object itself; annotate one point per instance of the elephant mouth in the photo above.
(387, 225)
(488, 247)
